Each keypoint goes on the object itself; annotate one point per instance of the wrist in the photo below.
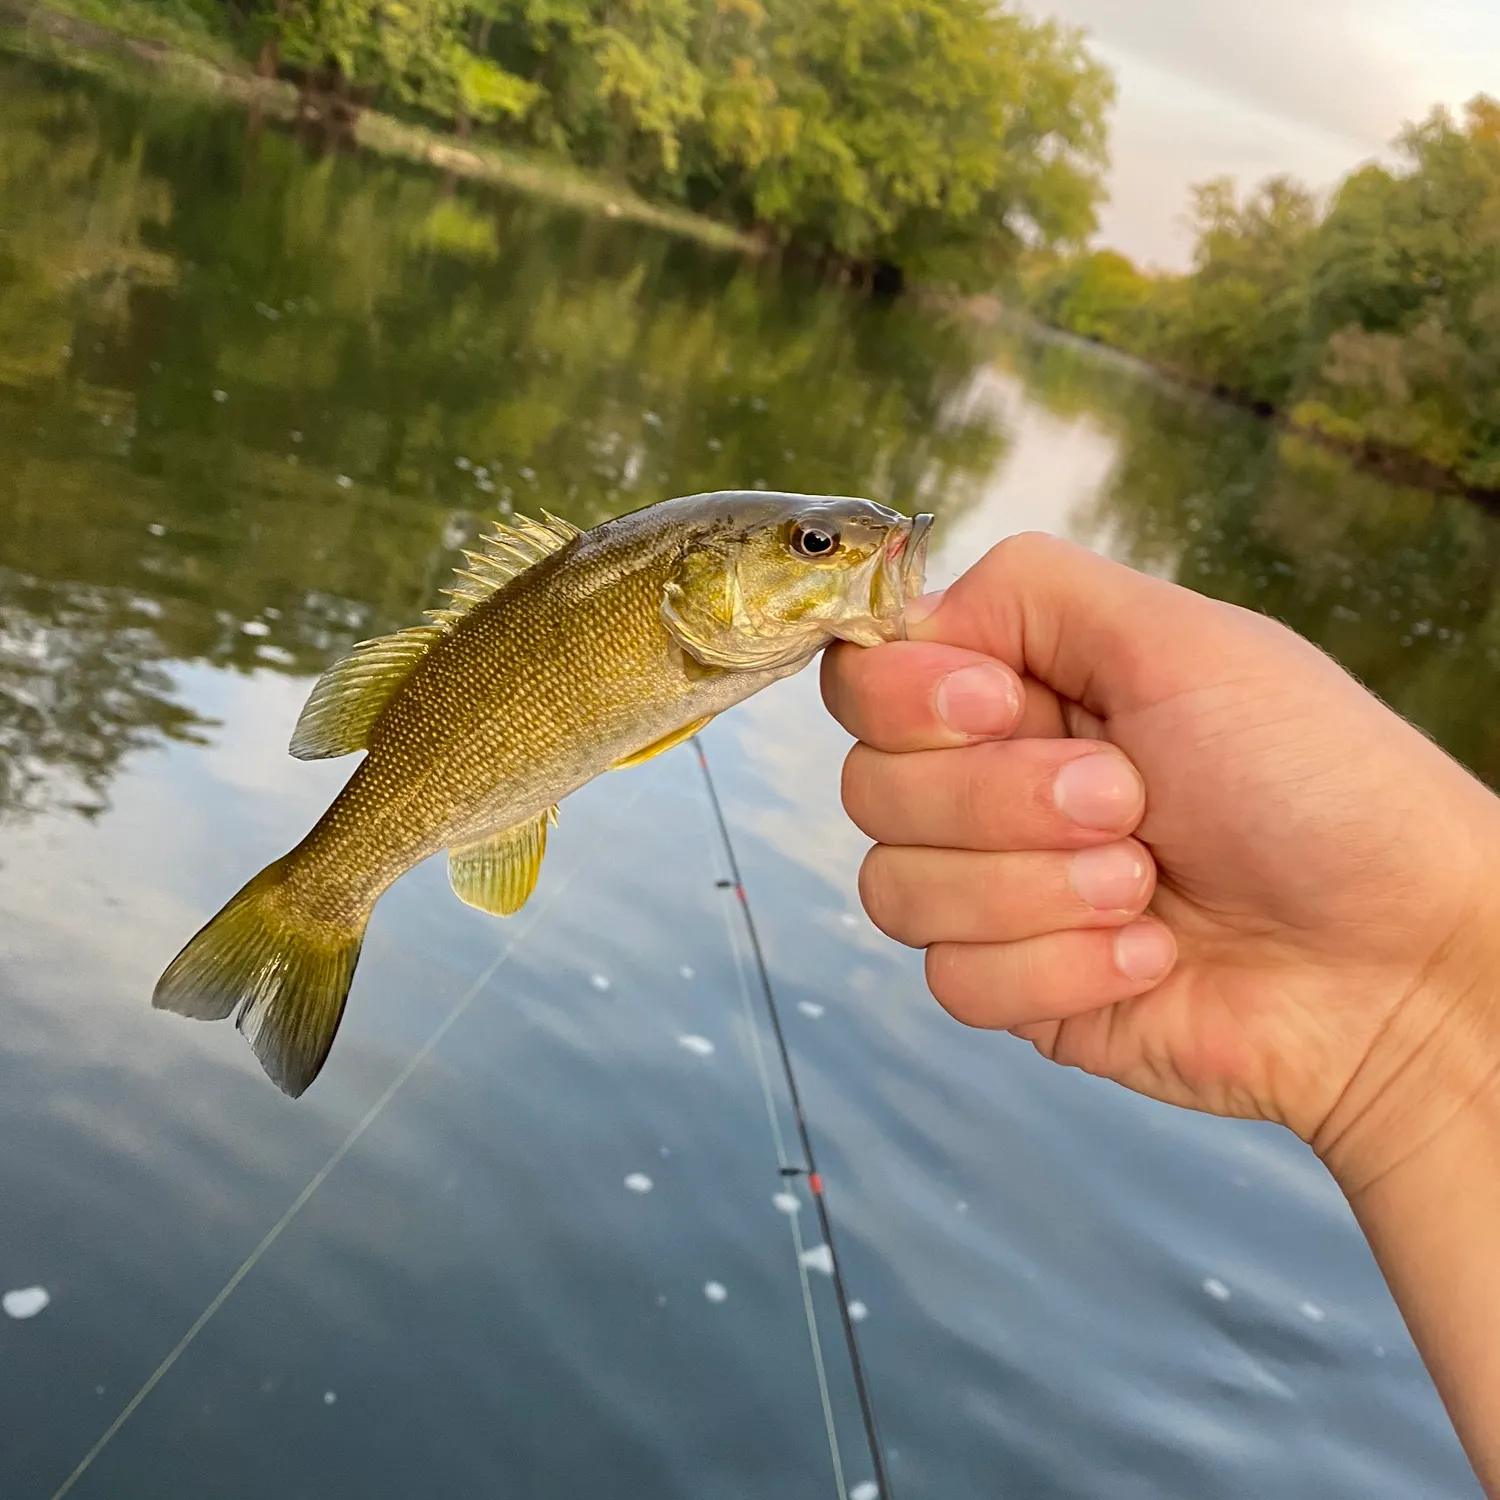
(1432, 1076)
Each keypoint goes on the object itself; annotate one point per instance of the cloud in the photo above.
(1248, 90)
(1332, 67)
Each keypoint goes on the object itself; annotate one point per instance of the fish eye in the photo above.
(814, 541)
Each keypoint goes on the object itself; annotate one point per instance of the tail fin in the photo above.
(288, 974)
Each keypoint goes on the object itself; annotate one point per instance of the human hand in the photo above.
(1169, 842)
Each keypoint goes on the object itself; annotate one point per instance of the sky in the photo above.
(1251, 87)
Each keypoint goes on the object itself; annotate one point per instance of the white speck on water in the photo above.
(715, 1291)
(462, 463)
(1216, 1289)
(858, 1312)
(661, 1299)
(699, 1046)
(25, 1301)
(98, 1390)
(275, 654)
(344, 481)
(638, 1182)
(848, 919)
(787, 1203)
(255, 627)
(221, 397)
(687, 971)
(1380, 1351)
(866, 1490)
(1311, 1311)
(715, 446)
(527, 474)
(811, 1009)
(296, 437)
(105, 420)
(157, 529)
(819, 1258)
(599, 981)
(962, 1206)
(664, 1152)
(329, 1397)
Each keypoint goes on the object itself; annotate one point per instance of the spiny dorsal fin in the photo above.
(498, 874)
(350, 695)
(506, 551)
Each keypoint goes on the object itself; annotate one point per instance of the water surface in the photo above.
(251, 404)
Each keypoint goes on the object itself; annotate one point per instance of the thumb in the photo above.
(1095, 632)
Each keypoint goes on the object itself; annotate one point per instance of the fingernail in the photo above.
(981, 699)
(919, 608)
(1098, 791)
(1109, 879)
(1144, 950)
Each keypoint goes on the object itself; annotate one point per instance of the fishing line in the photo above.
(767, 1094)
(808, 1167)
(320, 1177)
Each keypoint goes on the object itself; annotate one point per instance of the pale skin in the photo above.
(1168, 842)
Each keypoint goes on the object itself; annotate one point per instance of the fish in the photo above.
(560, 654)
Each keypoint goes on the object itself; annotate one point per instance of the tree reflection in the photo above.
(266, 397)
(82, 684)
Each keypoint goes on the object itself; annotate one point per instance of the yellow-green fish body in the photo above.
(565, 653)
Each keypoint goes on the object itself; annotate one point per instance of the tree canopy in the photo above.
(1373, 319)
(940, 135)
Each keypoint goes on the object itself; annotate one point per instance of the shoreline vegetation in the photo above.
(1368, 321)
(50, 33)
(877, 141)
(941, 146)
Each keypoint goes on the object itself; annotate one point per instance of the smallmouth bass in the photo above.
(562, 654)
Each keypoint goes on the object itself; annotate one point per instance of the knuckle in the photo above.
(856, 788)
(952, 985)
(879, 895)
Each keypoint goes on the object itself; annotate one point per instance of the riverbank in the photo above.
(136, 44)
(1396, 465)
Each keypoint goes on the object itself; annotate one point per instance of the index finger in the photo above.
(920, 695)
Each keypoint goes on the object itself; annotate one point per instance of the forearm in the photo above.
(1432, 1218)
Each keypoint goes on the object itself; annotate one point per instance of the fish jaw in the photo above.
(896, 575)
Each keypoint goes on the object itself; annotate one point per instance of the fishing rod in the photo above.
(809, 1168)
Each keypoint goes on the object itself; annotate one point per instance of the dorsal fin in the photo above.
(353, 692)
(349, 696)
(506, 551)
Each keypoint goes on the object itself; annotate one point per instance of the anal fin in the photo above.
(657, 747)
(497, 874)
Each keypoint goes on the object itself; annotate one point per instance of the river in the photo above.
(528, 1236)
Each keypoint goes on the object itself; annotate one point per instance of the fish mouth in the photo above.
(905, 560)
(900, 568)
(913, 547)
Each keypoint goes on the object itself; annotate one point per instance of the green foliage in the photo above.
(943, 136)
(1376, 323)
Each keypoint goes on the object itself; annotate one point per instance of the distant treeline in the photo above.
(1374, 321)
(933, 136)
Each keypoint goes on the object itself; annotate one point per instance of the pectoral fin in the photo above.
(666, 742)
(498, 874)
